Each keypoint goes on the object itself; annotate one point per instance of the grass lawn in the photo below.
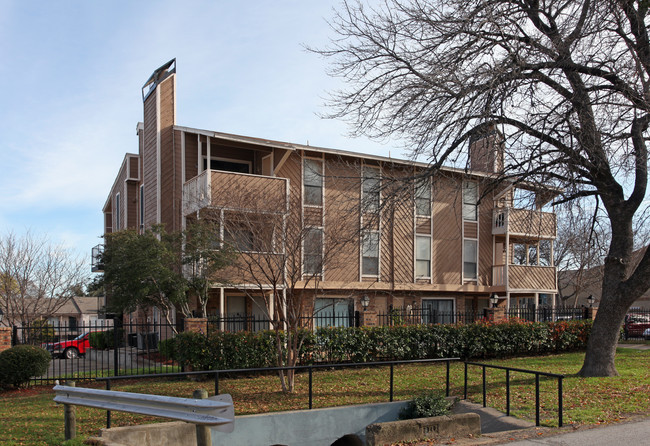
(31, 418)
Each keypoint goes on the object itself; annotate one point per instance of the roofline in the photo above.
(339, 152)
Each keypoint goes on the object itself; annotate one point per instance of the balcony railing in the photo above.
(236, 191)
(524, 222)
(522, 277)
(96, 262)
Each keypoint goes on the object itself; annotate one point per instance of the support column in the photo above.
(5, 338)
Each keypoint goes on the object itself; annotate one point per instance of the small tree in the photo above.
(144, 270)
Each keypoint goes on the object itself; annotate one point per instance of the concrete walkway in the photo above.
(491, 419)
(632, 433)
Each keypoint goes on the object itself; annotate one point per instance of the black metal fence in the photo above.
(234, 323)
(425, 316)
(104, 348)
(541, 314)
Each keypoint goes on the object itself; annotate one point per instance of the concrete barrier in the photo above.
(447, 426)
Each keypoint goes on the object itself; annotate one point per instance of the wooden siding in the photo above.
(150, 160)
(313, 216)
(423, 226)
(131, 204)
(134, 168)
(485, 242)
(447, 239)
(531, 277)
(342, 198)
(248, 192)
(191, 156)
(170, 155)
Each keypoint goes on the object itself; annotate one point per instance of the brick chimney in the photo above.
(486, 151)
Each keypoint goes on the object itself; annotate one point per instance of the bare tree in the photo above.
(566, 83)
(36, 277)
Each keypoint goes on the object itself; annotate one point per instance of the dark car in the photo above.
(69, 349)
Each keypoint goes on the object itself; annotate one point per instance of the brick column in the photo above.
(369, 318)
(590, 313)
(495, 314)
(197, 325)
(5, 338)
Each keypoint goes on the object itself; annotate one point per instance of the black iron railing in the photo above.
(310, 369)
(512, 369)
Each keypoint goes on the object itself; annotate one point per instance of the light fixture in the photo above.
(365, 301)
(494, 300)
(590, 300)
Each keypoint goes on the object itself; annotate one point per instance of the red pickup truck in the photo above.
(69, 349)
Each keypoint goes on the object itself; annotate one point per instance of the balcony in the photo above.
(97, 262)
(521, 277)
(236, 191)
(524, 222)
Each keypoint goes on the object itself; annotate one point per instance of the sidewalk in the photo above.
(632, 433)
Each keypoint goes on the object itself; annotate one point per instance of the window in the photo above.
(227, 166)
(370, 254)
(470, 255)
(518, 254)
(142, 206)
(239, 237)
(532, 254)
(545, 253)
(118, 212)
(313, 182)
(470, 200)
(371, 189)
(422, 256)
(423, 197)
(330, 312)
(313, 251)
(438, 311)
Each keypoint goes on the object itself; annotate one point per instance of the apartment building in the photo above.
(369, 233)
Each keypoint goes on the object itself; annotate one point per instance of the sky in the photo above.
(71, 76)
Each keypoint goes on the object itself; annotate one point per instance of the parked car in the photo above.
(636, 325)
(646, 334)
(69, 349)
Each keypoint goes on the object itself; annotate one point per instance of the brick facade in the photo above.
(5, 338)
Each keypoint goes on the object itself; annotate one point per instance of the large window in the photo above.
(545, 253)
(423, 197)
(470, 256)
(438, 311)
(330, 312)
(370, 254)
(470, 200)
(228, 165)
(313, 182)
(371, 188)
(239, 236)
(313, 251)
(422, 256)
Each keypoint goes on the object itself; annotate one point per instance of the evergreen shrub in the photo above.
(21, 363)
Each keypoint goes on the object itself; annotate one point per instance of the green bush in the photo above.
(166, 348)
(21, 363)
(481, 340)
(429, 404)
(104, 340)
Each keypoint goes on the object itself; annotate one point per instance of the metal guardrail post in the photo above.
(216, 383)
(70, 418)
(203, 433)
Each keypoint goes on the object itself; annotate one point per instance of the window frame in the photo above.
(467, 277)
(306, 186)
(318, 255)
(418, 238)
(371, 189)
(425, 187)
(470, 203)
(365, 249)
(118, 212)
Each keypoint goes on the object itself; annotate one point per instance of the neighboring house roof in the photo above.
(591, 282)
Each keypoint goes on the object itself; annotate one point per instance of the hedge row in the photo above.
(480, 340)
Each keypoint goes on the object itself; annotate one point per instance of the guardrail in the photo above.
(217, 411)
(532, 372)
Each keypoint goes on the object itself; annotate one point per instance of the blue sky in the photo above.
(71, 74)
